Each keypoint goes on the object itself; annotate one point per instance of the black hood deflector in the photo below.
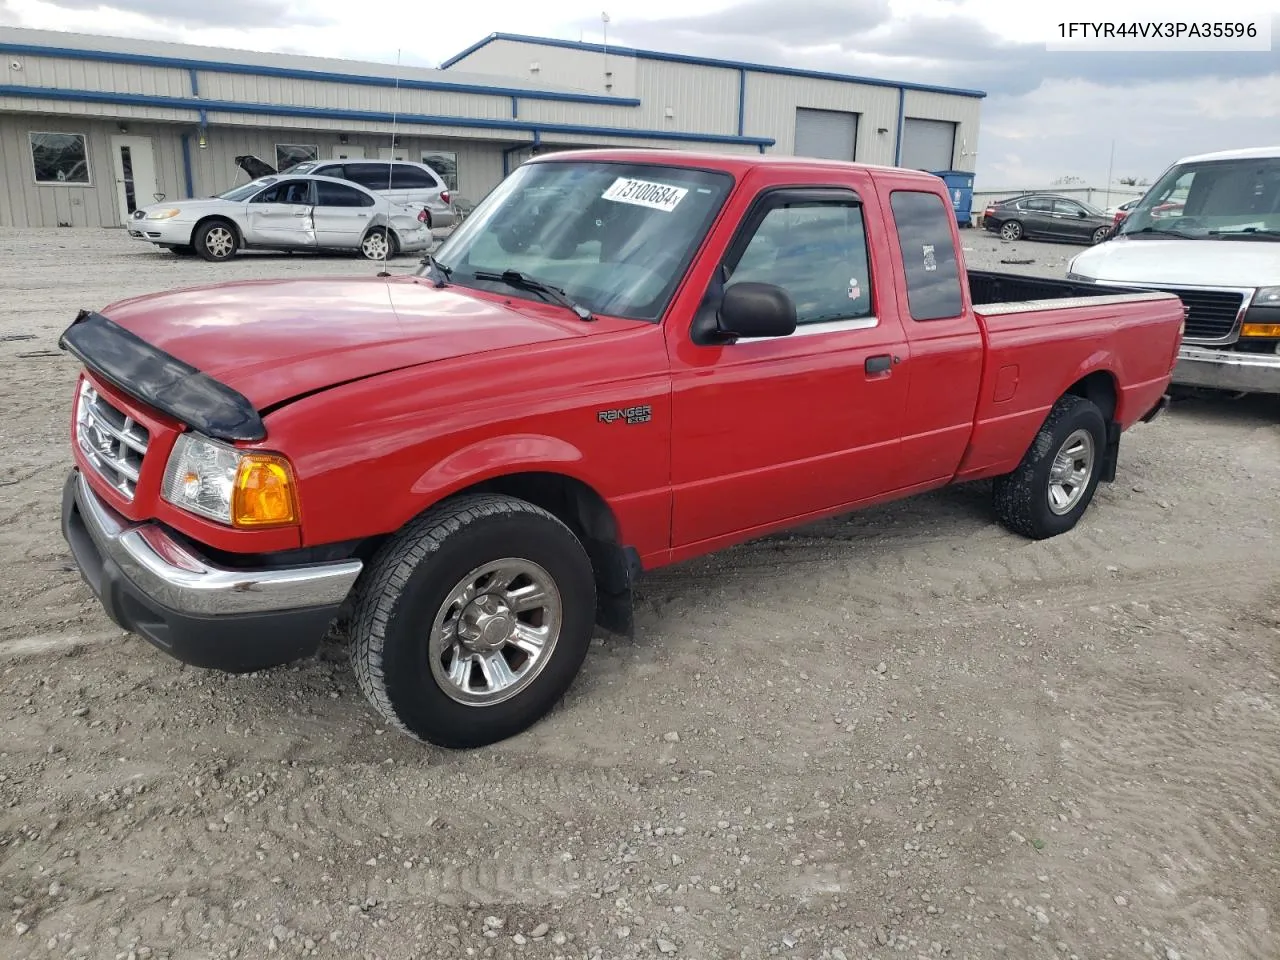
(178, 389)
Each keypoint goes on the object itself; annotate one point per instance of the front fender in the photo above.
(495, 457)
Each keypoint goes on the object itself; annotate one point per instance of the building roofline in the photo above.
(705, 62)
(536, 128)
(299, 73)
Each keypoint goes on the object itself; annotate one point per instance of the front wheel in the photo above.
(216, 240)
(1011, 230)
(473, 621)
(1053, 485)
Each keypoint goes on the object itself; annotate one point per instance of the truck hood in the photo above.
(1192, 263)
(272, 340)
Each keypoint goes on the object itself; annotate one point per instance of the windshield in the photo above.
(302, 167)
(1212, 200)
(246, 190)
(615, 237)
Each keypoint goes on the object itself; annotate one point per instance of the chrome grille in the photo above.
(113, 443)
(1211, 314)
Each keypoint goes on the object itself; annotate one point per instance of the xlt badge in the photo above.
(638, 414)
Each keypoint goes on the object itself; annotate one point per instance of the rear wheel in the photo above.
(1055, 482)
(379, 244)
(473, 621)
(1100, 234)
(1011, 230)
(216, 240)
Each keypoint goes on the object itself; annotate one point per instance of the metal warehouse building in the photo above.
(91, 127)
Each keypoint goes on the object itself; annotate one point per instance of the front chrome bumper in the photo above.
(1227, 370)
(198, 611)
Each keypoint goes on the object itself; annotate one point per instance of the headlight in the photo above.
(168, 214)
(236, 487)
(1267, 297)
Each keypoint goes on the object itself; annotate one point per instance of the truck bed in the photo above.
(1043, 338)
(989, 288)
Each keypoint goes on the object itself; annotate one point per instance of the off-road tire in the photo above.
(201, 240)
(407, 583)
(1021, 497)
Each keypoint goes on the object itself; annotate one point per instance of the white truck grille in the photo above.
(113, 443)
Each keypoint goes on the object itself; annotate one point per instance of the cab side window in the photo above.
(923, 225)
(817, 252)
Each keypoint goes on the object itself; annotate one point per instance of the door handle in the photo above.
(299, 213)
(879, 363)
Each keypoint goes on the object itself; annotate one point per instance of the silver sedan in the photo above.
(285, 212)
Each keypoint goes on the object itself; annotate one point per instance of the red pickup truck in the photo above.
(620, 360)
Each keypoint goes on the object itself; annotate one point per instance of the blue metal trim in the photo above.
(186, 165)
(705, 62)
(742, 100)
(515, 108)
(902, 121)
(204, 118)
(292, 73)
(195, 81)
(374, 116)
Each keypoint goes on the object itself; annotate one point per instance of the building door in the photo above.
(135, 168)
(927, 144)
(348, 151)
(826, 134)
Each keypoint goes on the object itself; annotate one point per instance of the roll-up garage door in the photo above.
(827, 134)
(927, 144)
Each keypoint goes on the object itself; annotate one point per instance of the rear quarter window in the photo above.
(923, 224)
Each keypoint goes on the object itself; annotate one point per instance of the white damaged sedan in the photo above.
(283, 212)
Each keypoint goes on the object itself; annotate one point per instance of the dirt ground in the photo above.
(906, 733)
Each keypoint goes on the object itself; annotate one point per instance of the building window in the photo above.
(445, 164)
(60, 157)
(288, 154)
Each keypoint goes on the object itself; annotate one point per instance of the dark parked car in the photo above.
(1042, 216)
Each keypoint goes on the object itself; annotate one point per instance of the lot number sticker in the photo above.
(644, 193)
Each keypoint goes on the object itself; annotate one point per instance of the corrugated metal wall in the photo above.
(23, 202)
(558, 67)
(963, 111)
(772, 101)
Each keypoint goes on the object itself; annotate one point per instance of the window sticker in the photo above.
(930, 261)
(854, 290)
(645, 193)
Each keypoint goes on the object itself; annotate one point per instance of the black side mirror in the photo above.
(1082, 213)
(756, 310)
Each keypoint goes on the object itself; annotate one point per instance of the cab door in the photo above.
(771, 430)
(281, 215)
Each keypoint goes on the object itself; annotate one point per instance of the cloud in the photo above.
(950, 50)
(212, 13)
(811, 22)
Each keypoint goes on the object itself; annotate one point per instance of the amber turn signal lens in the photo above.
(263, 495)
(1260, 330)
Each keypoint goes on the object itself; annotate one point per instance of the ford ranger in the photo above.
(620, 360)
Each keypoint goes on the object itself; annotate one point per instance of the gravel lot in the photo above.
(905, 733)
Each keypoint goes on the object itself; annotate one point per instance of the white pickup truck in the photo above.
(1209, 231)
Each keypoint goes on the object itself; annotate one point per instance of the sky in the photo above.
(1048, 114)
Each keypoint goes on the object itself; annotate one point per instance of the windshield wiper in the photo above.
(443, 271)
(515, 278)
(1163, 233)
(1248, 233)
